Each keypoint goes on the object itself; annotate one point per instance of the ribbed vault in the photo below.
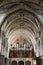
(36, 5)
(21, 21)
(21, 24)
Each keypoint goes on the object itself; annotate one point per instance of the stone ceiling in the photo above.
(21, 19)
(36, 5)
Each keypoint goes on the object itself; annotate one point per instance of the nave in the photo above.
(21, 32)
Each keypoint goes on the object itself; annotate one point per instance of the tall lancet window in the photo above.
(17, 44)
(24, 43)
(31, 47)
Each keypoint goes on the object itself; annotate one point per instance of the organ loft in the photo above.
(21, 32)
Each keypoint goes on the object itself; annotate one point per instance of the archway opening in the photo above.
(14, 63)
(27, 63)
(21, 63)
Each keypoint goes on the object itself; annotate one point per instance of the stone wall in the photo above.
(2, 60)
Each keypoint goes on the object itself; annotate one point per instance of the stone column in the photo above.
(34, 62)
(24, 62)
(17, 62)
(39, 43)
(6, 47)
(37, 47)
(10, 61)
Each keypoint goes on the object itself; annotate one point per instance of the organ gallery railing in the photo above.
(21, 52)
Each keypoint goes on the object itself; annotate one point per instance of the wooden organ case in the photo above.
(21, 52)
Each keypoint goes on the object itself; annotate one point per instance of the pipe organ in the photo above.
(21, 52)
